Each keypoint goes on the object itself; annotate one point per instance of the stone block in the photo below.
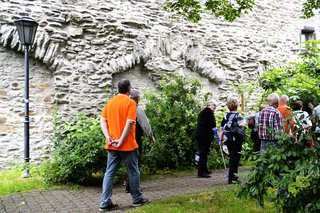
(6, 128)
(15, 86)
(3, 120)
(3, 92)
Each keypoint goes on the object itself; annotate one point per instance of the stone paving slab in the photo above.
(86, 199)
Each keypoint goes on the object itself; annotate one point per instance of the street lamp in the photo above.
(27, 29)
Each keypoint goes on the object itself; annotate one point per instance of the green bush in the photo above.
(173, 116)
(289, 174)
(78, 151)
(299, 80)
(288, 165)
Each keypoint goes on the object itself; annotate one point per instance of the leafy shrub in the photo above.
(173, 116)
(78, 151)
(288, 174)
(299, 80)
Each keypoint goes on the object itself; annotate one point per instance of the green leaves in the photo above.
(309, 8)
(299, 80)
(192, 9)
(79, 150)
(230, 10)
(287, 165)
(173, 115)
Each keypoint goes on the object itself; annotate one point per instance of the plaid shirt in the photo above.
(270, 122)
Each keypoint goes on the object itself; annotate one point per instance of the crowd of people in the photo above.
(124, 122)
(272, 118)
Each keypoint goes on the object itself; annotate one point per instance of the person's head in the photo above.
(212, 104)
(284, 99)
(262, 106)
(124, 86)
(273, 99)
(232, 104)
(297, 105)
(135, 95)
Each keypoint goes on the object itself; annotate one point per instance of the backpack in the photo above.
(251, 123)
(236, 131)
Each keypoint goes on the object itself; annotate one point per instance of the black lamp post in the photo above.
(27, 29)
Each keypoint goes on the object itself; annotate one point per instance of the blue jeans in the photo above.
(130, 159)
(264, 145)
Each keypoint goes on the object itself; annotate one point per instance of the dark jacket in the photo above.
(226, 124)
(206, 121)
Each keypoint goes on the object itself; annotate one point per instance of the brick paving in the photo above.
(86, 199)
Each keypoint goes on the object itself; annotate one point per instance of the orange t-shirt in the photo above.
(287, 116)
(117, 111)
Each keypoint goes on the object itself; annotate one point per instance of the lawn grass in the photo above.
(12, 182)
(218, 200)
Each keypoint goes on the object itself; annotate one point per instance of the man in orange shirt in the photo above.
(118, 126)
(287, 114)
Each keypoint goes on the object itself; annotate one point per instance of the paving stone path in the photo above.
(86, 199)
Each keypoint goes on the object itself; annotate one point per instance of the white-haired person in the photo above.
(270, 123)
(204, 136)
(232, 141)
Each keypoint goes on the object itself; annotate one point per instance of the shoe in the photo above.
(109, 207)
(204, 176)
(234, 182)
(141, 202)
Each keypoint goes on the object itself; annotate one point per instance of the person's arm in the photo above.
(220, 134)
(213, 123)
(314, 115)
(144, 123)
(278, 122)
(241, 121)
(104, 128)
(124, 135)
(307, 119)
(291, 123)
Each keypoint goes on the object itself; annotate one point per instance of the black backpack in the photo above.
(235, 130)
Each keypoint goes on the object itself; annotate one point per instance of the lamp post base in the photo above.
(26, 173)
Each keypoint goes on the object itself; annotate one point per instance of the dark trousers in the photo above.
(204, 148)
(256, 141)
(234, 148)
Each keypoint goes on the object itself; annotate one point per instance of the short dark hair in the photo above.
(124, 86)
(297, 105)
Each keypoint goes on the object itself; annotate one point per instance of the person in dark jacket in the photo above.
(204, 136)
(234, 143)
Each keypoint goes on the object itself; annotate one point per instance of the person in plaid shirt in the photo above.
(270, 122)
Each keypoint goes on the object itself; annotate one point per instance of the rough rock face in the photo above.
(83, 47)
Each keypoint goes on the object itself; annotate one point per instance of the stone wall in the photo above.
(83, 47)
(12, 108)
